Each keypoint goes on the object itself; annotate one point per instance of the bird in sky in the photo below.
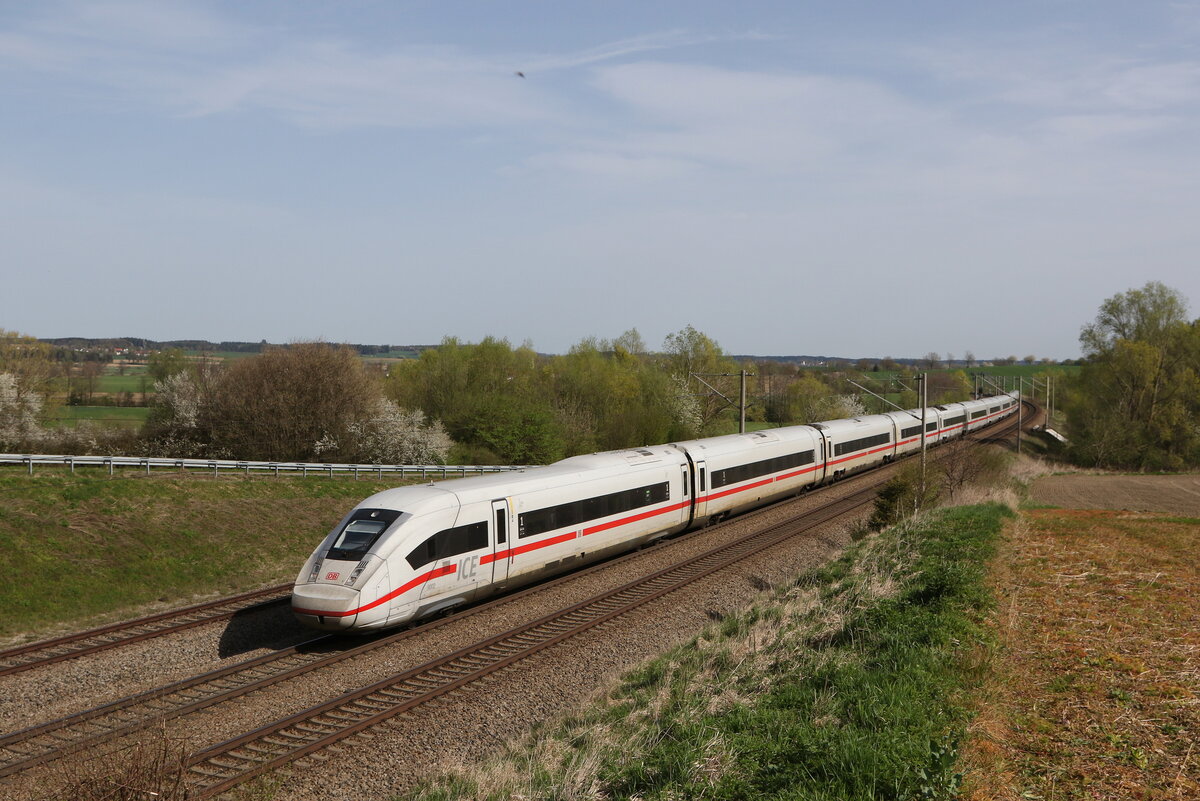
(519, 74)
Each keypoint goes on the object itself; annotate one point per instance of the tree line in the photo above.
(459, 402)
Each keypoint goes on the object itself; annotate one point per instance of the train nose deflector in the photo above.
(327, 606)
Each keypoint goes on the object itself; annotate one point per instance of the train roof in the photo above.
(711, 446)
(865, 422)
(435, 495)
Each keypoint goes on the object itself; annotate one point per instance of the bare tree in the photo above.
(964, 463)
(289, 403)
(91, 372)
(631, 342)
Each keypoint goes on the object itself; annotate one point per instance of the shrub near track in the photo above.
(81, 549)
(850, 684)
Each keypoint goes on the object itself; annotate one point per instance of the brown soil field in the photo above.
(1178, 495)
(1095, 685)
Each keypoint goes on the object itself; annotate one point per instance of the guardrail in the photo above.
(216, 465)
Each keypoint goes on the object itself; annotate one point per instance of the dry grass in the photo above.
(729, 667)
(1097, 691)
(151, 769)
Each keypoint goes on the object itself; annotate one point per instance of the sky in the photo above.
(836, 178)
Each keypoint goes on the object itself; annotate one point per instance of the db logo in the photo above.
(332, 576)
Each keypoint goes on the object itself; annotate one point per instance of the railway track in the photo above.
(36, 745)
(223, 766)
(47, 652)
(228, 764)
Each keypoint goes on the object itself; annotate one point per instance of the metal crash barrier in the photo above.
(215, 466)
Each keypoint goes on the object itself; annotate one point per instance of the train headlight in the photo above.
(358, 569)
(316, 569)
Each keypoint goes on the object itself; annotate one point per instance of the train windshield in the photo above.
(360, 533)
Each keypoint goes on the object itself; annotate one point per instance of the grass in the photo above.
(850, 684)
(88, 548)
(131, 416)
(135, 380)
(222, 355)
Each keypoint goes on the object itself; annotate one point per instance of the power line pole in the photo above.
(728, 402)
(924, 412)
(742, 407)
(1049, 401)
(1020, 411)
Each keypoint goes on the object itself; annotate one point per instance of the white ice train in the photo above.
(415, 551)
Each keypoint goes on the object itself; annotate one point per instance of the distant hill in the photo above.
(821, 360)
(142, 345)
(205, 346)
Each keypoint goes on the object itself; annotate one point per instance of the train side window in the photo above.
(702, 487)
(501, 527)
(449, 543)
(574, 513)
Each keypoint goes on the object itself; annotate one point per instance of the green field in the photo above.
(224, 355)
(1029, 370)
(131, 416)
(136, 383)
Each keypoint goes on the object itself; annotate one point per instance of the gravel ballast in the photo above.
(467, 724)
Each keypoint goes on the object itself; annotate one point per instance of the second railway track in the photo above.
(235, 761)
(70, 646)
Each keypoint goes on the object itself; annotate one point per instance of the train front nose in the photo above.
(331, 607)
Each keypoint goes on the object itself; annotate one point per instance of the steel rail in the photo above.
(46, 742)
(239, 759)
(35, 745)
(69, 646)
(227, 764)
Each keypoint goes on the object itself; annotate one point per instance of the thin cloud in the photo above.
(197, 63)
(753, 120)
(668, 40)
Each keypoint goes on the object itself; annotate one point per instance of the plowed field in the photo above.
(1096, 685)
(1178, 495)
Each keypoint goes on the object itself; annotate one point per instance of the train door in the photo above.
(826, 450)
(700, 488)
(501, 547)
(686, 483)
